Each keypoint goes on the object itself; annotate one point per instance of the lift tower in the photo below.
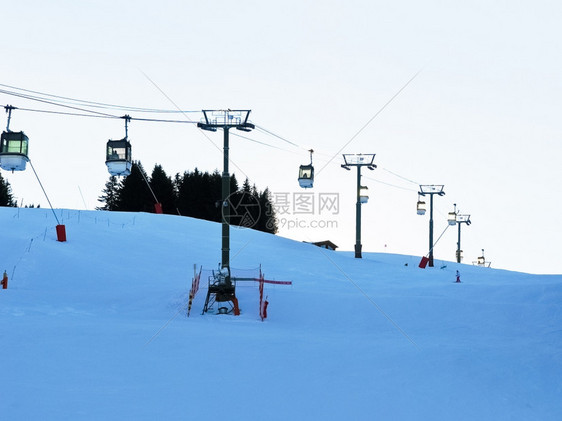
(223, 288)
(359, 160)
(431, 190)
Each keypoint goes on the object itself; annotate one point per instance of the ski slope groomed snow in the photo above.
(95, 328)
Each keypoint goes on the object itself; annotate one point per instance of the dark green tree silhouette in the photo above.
(196, 194)
(253, 209)
(110, 195)
(189, 191)
(268, 220)
(6, 197)
(199, 194)
(134, 194)
(164, 190)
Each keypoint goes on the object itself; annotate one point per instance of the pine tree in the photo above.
(189, 191)
(244, 208)
(246, 187)
(110, 196)
(163, 189)
(194, 194)
(6, 198)
(233, 183)
(268, 219)
(134, 194)
(182, 188)
(255, 208)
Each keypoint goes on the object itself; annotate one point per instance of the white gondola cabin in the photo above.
(421, 207)
(118, 157)
(13, 151)
(306, 174)
(459, 255)
(363, 196)
(452, 218)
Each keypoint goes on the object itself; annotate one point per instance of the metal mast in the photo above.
(431, 190)
(359, 160)
(225, 120)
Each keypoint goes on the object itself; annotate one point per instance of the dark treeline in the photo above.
(193, 193)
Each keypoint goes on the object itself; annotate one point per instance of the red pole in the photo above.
(5, 281)
(61, 233)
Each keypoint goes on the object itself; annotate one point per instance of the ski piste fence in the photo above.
(244, 278)
(64, 216)
(42, 232)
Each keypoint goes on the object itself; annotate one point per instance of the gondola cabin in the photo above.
(118, 158)
(421, 207)
(459, 255)
(452, 218)
(306, 176)
(13, 151)
(363, 196)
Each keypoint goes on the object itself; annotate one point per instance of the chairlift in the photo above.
(118, 154)
(363, 196)
(13, 147)
(306, 174)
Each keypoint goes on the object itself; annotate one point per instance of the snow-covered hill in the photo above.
(95, 328)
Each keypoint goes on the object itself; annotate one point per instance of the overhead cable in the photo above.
(95, 104)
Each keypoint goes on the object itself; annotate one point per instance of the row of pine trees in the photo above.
(193, 193)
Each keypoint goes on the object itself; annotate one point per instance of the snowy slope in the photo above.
(95, 328)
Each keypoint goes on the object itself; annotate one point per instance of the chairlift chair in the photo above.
(13, 151)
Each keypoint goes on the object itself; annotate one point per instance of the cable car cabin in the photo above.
(306, 176)
(421, 207)
(458, 253)
(363, 196)
(452, 218)
(118, 159)
(13, 151)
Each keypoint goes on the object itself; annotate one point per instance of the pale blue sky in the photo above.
(482, 117)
